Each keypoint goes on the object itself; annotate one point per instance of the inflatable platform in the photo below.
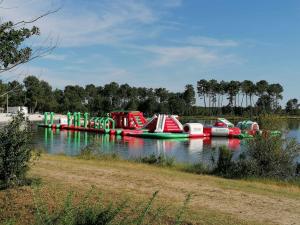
(160, 126)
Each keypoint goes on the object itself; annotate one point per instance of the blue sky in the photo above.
(164, 43)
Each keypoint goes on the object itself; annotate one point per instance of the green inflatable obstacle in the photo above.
(95, 119)
(273, 133)
(69, 119)
(75, 119)
(101, 123)
(46, 118)
(244, 135)
(78, 119)
(51, 119)
(48, 122)
(86, 116)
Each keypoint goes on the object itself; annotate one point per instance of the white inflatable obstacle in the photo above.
(193, 129)
(162, 123)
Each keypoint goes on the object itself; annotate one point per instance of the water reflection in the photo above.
(183, 150)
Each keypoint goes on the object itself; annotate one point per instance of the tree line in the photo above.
(39, 96)
(218, 98)
(240, 97)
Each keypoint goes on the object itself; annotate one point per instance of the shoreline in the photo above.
(5, 118)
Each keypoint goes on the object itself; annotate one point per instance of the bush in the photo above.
(92, 152)
(160, 160)
(264, 157)
(271, 122)
(224, 162)
(227, 167)
(94, 212)
(16, 151)
(273, 156)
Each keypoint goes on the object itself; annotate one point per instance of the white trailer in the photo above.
(17, 109)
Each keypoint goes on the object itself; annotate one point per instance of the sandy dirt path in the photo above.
(249, 201)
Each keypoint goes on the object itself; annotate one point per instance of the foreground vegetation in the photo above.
(214, 200)
(91, 209)
(16, 152)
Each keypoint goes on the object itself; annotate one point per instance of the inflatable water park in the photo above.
(160, 126)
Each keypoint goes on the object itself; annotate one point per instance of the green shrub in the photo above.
(160, 160)
(16, 151)
(273, 156)
(271, 122)
(226, 166)
(224, 162)
(98, 213)
(92, 152)
(264, 157)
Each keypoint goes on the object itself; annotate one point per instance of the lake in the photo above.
(183, 150)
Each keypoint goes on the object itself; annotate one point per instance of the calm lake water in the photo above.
(183, 150)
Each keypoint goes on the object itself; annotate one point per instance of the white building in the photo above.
(17, 109)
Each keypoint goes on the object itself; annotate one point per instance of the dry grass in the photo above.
(214, 200)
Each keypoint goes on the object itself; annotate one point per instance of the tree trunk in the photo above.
(242, 100)
(250, 106)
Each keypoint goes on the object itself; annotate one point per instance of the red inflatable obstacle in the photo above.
(164, 124)
(221, 131)
(222, 128)
(128, 119)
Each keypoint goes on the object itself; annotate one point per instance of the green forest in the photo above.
(214, 98)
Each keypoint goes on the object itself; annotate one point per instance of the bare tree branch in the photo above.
(23, 22)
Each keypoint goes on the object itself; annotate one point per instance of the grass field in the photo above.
(214, 200)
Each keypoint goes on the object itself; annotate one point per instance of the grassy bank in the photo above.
(213, 200)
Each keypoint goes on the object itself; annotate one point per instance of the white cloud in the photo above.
(98, 76)
(63, 76)
(172, 55)
(104, 22)
(169, 55)
(55, 57)
(213, 42)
